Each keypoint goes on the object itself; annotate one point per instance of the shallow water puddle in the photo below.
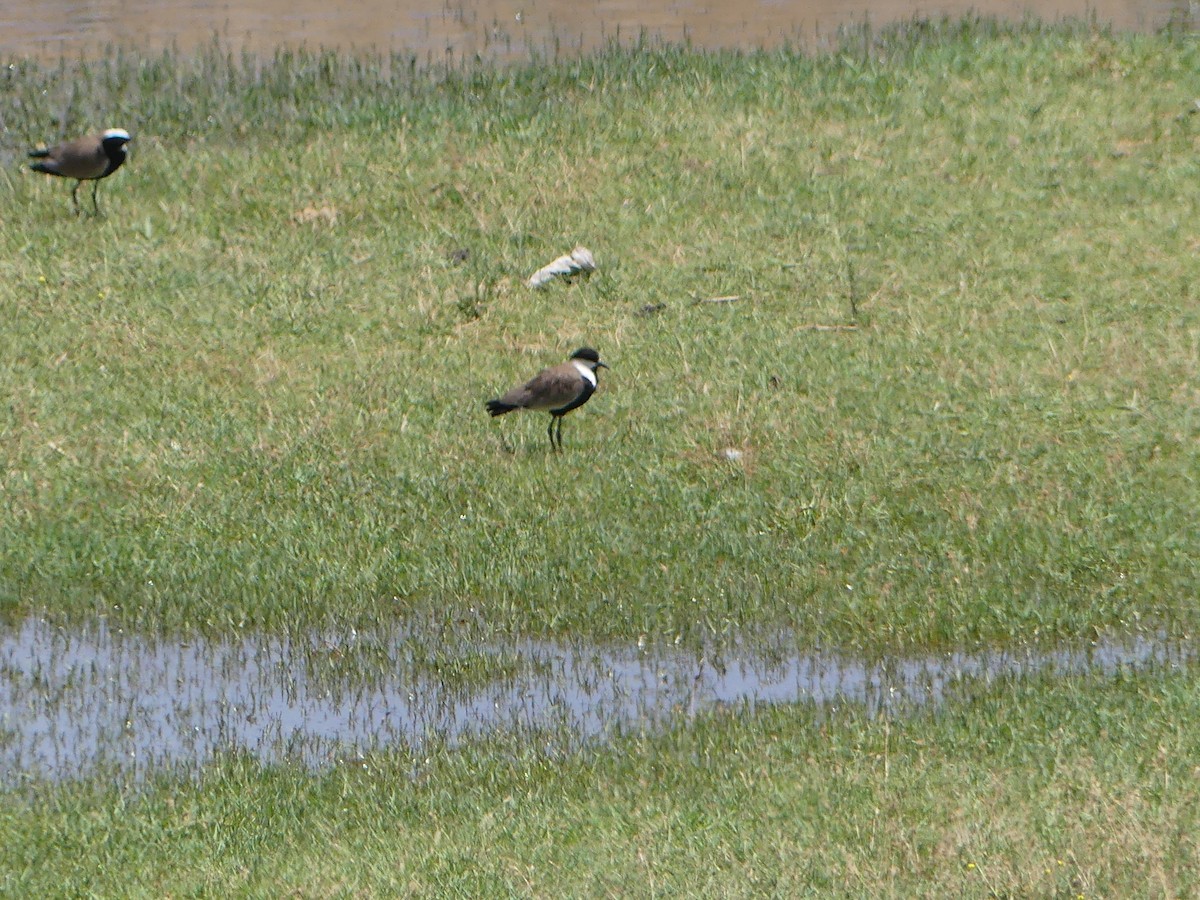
(72, 702)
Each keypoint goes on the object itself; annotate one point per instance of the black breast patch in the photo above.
(585, 393)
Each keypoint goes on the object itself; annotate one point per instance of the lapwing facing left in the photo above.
(86, 159)
(557, 390)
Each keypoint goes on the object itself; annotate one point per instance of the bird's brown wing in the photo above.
(549, 389)
(83, 159)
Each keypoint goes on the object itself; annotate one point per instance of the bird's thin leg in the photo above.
(95, 205)
(75, 196)
(550, 432)
(559, 431)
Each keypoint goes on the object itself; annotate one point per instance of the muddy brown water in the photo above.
(74, 702)
(498, 29)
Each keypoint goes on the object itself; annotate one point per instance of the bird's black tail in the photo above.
(40, 166)
(496, 408)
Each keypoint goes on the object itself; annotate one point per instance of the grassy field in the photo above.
(251, 393)
(961, 372)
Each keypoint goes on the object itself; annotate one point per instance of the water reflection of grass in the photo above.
(250, 396)
(454, 668)
(1083, 787)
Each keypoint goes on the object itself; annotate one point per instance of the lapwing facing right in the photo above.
(86, 159)
(557, 390)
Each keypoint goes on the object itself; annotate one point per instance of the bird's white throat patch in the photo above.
(585, 371)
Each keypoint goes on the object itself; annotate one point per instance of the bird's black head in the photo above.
(587, 354)
(114, 141)
(116, 136)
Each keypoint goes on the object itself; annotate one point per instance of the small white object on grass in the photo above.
(578, 260)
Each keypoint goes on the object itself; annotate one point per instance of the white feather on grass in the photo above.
(578, 260)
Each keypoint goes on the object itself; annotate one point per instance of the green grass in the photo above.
(1047, 788)
(226, 409)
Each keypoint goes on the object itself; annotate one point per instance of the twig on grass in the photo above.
(817, 326)
(732, 298)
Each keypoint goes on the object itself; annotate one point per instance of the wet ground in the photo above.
(498, 29)
(76, 702)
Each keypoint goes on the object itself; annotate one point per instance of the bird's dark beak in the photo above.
(601, 365)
